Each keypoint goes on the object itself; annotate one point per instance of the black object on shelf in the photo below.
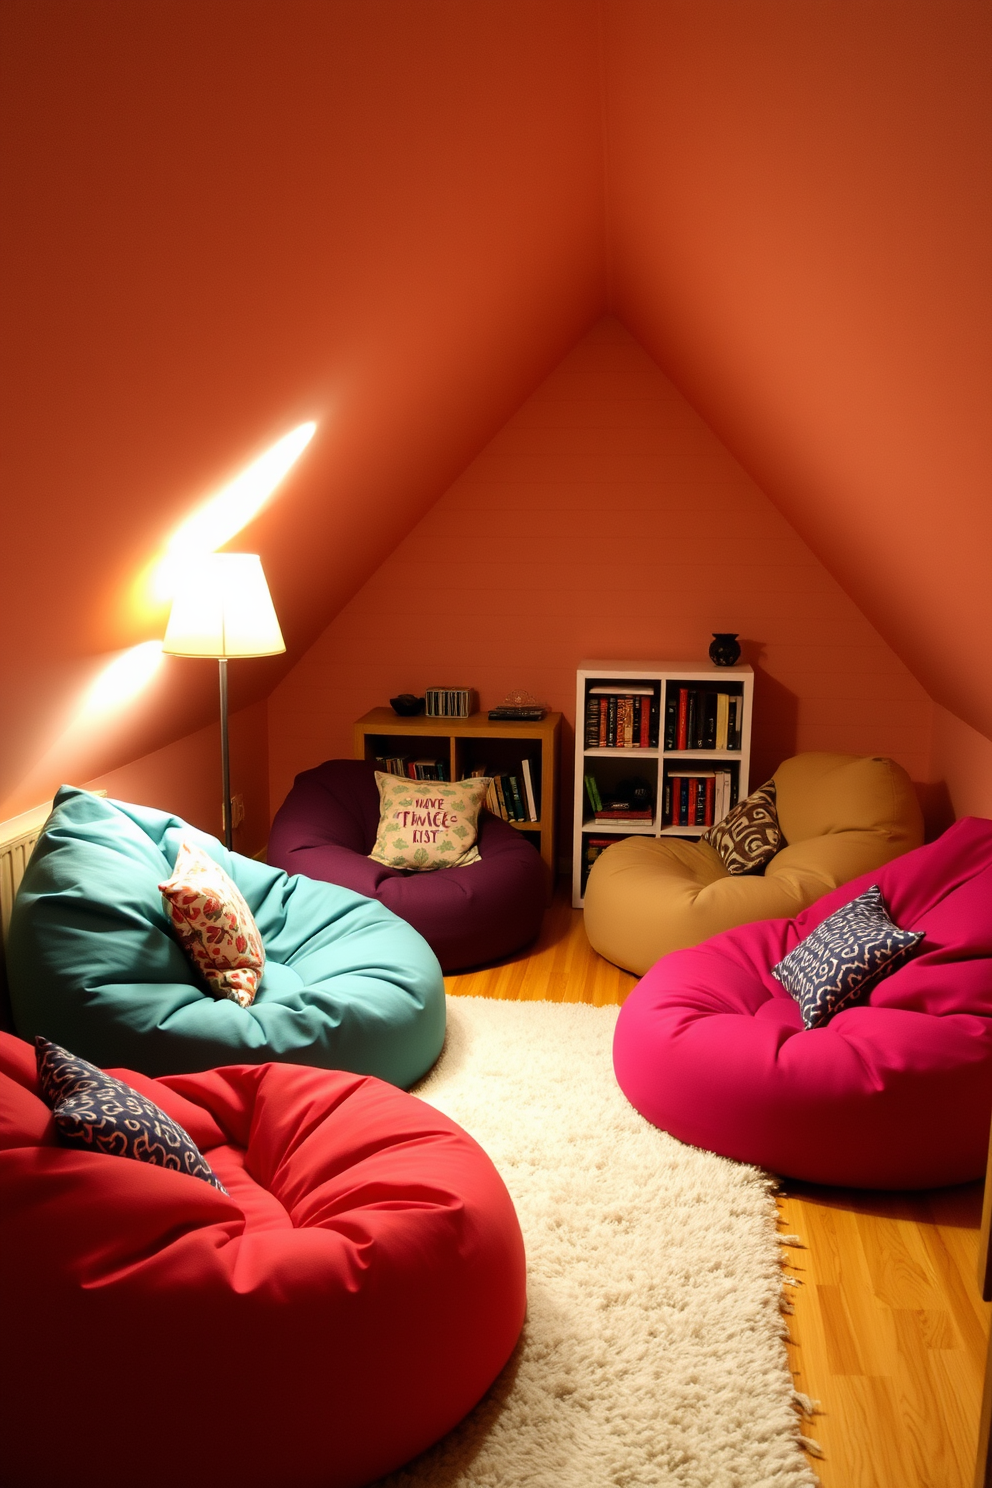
(406, 705)
(724, 648)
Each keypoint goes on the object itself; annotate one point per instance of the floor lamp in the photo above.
(223, 610)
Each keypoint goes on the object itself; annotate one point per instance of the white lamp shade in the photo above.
(223, 608)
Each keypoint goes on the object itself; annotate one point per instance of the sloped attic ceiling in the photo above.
(224, 218)
(801, 217)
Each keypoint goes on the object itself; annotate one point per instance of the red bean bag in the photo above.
(894, 1093)
(347, 1304)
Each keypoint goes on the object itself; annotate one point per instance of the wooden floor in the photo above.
(889, 1331)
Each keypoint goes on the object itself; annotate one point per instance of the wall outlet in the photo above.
(237, 810)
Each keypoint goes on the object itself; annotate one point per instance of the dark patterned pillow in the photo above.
(844, 957)
(94, 1111)
(749, 836)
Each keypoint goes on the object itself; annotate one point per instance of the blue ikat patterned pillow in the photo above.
(844, 957)
(94, 1111)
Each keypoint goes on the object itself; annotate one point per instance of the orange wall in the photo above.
(604, 520)
(184, 778)
(961, 765)
(221, 219)
(801, 229)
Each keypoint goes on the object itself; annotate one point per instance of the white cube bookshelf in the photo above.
(613, 762)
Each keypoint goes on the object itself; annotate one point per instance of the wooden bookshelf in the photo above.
(650, 762)
(474, 741)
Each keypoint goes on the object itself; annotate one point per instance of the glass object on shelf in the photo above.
(520, 705)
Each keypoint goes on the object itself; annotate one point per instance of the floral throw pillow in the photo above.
(749, 836)
(99, 1113)
(428, 824)
(215, 926)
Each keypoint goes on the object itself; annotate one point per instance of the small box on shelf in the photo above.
(449, 702)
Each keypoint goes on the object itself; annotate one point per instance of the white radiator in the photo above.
(17, 839)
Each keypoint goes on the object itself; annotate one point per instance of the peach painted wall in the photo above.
(604, 520)
(184, 778)
(961, 764)
(800, 222)
(222, 219)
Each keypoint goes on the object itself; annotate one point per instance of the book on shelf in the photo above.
(591, 849)
(532, 812)
(620, 807)
(420, 769)
(517, 713)
(725, 794)
(691, 712)
(510, 798)
(392, 764)
(412, 768)
(697, 798)
(702, 718)
(592, 846)
(629, 800)
(722, 720)
(592, 793)
(519, 706)
(620, 717)
(708, 709)
(427, 769)
(671, 716)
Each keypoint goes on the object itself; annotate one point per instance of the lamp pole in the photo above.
(223, 609)
(225, 756)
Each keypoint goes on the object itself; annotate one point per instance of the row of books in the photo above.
(702, 718)
(697, 798)
(591, 849)
(622, 718)
(420, 769)
(512, 796)
(621, 805)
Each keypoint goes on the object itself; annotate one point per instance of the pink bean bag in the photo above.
(346, 1302)
(894, 1093)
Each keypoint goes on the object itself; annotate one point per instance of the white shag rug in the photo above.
(653, 1349)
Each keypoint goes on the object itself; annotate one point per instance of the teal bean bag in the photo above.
(93, 963)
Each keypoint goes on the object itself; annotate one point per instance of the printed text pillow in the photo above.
(427, 824)
(214, 924)
(845, 957)
(98, 1113)
(749, 836)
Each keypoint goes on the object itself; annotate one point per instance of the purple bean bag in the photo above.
(326, 828)
(894, 1093)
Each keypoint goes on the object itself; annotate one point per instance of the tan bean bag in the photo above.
(841, 815)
